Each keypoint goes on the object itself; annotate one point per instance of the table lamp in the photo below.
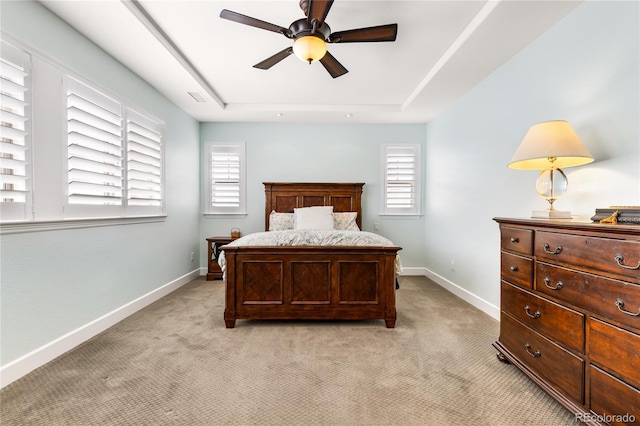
(548, 146)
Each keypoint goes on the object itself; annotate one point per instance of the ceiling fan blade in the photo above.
(247, 20)
(318, 10)
(379, 33)
(272, 60)
(332, 65)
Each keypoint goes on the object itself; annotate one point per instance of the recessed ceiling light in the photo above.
(279, 114)
(348, 115)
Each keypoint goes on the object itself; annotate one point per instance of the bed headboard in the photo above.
(283, 197)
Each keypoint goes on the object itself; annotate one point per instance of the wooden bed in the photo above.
(310, 282)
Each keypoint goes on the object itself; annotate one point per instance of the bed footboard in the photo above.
(310, 282)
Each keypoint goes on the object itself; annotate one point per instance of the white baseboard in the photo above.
(414, 272)
(486, 307)
(37, 358)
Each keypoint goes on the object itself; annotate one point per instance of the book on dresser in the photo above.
(570, 313)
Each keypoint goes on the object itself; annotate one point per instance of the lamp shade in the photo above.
(310, 48)
(550, 143)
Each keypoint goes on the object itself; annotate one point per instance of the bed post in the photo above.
(268, 186)
(230, 313)
(390, 298)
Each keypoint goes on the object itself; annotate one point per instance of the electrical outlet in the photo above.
(376, 226)
(453, 265)
(192, 256)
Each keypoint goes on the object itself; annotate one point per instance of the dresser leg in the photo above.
(502, 358)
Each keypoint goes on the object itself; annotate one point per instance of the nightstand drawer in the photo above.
(516, 240)
(609, 298)
(517, 269)
(619, 257)
(548, 360)
(550, 319)
(615, 350)
(613, 398)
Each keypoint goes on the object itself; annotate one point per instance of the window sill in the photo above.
(402, 216)
(224, 215)
(54, 225)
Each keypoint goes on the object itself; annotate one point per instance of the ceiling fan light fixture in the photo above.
(311, 34)
(309, 48)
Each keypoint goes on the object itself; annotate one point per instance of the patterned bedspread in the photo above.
(313, 238)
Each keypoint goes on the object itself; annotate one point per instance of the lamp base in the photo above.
(551, 214)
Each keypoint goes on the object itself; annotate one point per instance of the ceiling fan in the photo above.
(311, 35)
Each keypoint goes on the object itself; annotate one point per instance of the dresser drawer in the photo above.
(619, 257)
(615, 350)
(609, 298)
(563, 325)
(548, 360)
(516, 240)
(616, 400)
(517, 269)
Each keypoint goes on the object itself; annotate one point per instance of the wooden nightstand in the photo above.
(214, 243)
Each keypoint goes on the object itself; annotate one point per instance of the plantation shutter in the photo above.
(225, 176)
(144, 160)
(95, 156)
(15, 114)
(401, 180)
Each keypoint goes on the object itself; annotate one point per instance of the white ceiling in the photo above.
(442, 50)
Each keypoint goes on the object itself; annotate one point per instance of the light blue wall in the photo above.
(585, 70)
(318, 153)
(57, 281)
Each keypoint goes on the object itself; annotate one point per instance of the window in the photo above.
(144, 161)
(114, 156)
(401, 178)
(15, 117)
(225, 178)
(86, 156)
(94, 147)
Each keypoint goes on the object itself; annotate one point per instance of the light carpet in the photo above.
(174, 363)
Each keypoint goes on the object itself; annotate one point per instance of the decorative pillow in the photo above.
(314, 218)
(345, 221)
(280, 221)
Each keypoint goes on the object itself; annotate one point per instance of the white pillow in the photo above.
(314, 218)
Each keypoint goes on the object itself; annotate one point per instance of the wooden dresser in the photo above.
(570, 313)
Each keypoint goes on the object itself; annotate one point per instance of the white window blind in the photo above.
(225, 178)
(144, 160)
(87, 156)
(14, 132)
(95, 155)
(225, 175)
(401, 180)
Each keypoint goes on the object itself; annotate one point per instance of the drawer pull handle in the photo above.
(535, 354)
(620, 305)
(620, 261)
(557, 287)
(515, 240)
(547, 249)
(513, 269)
(535, 315)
